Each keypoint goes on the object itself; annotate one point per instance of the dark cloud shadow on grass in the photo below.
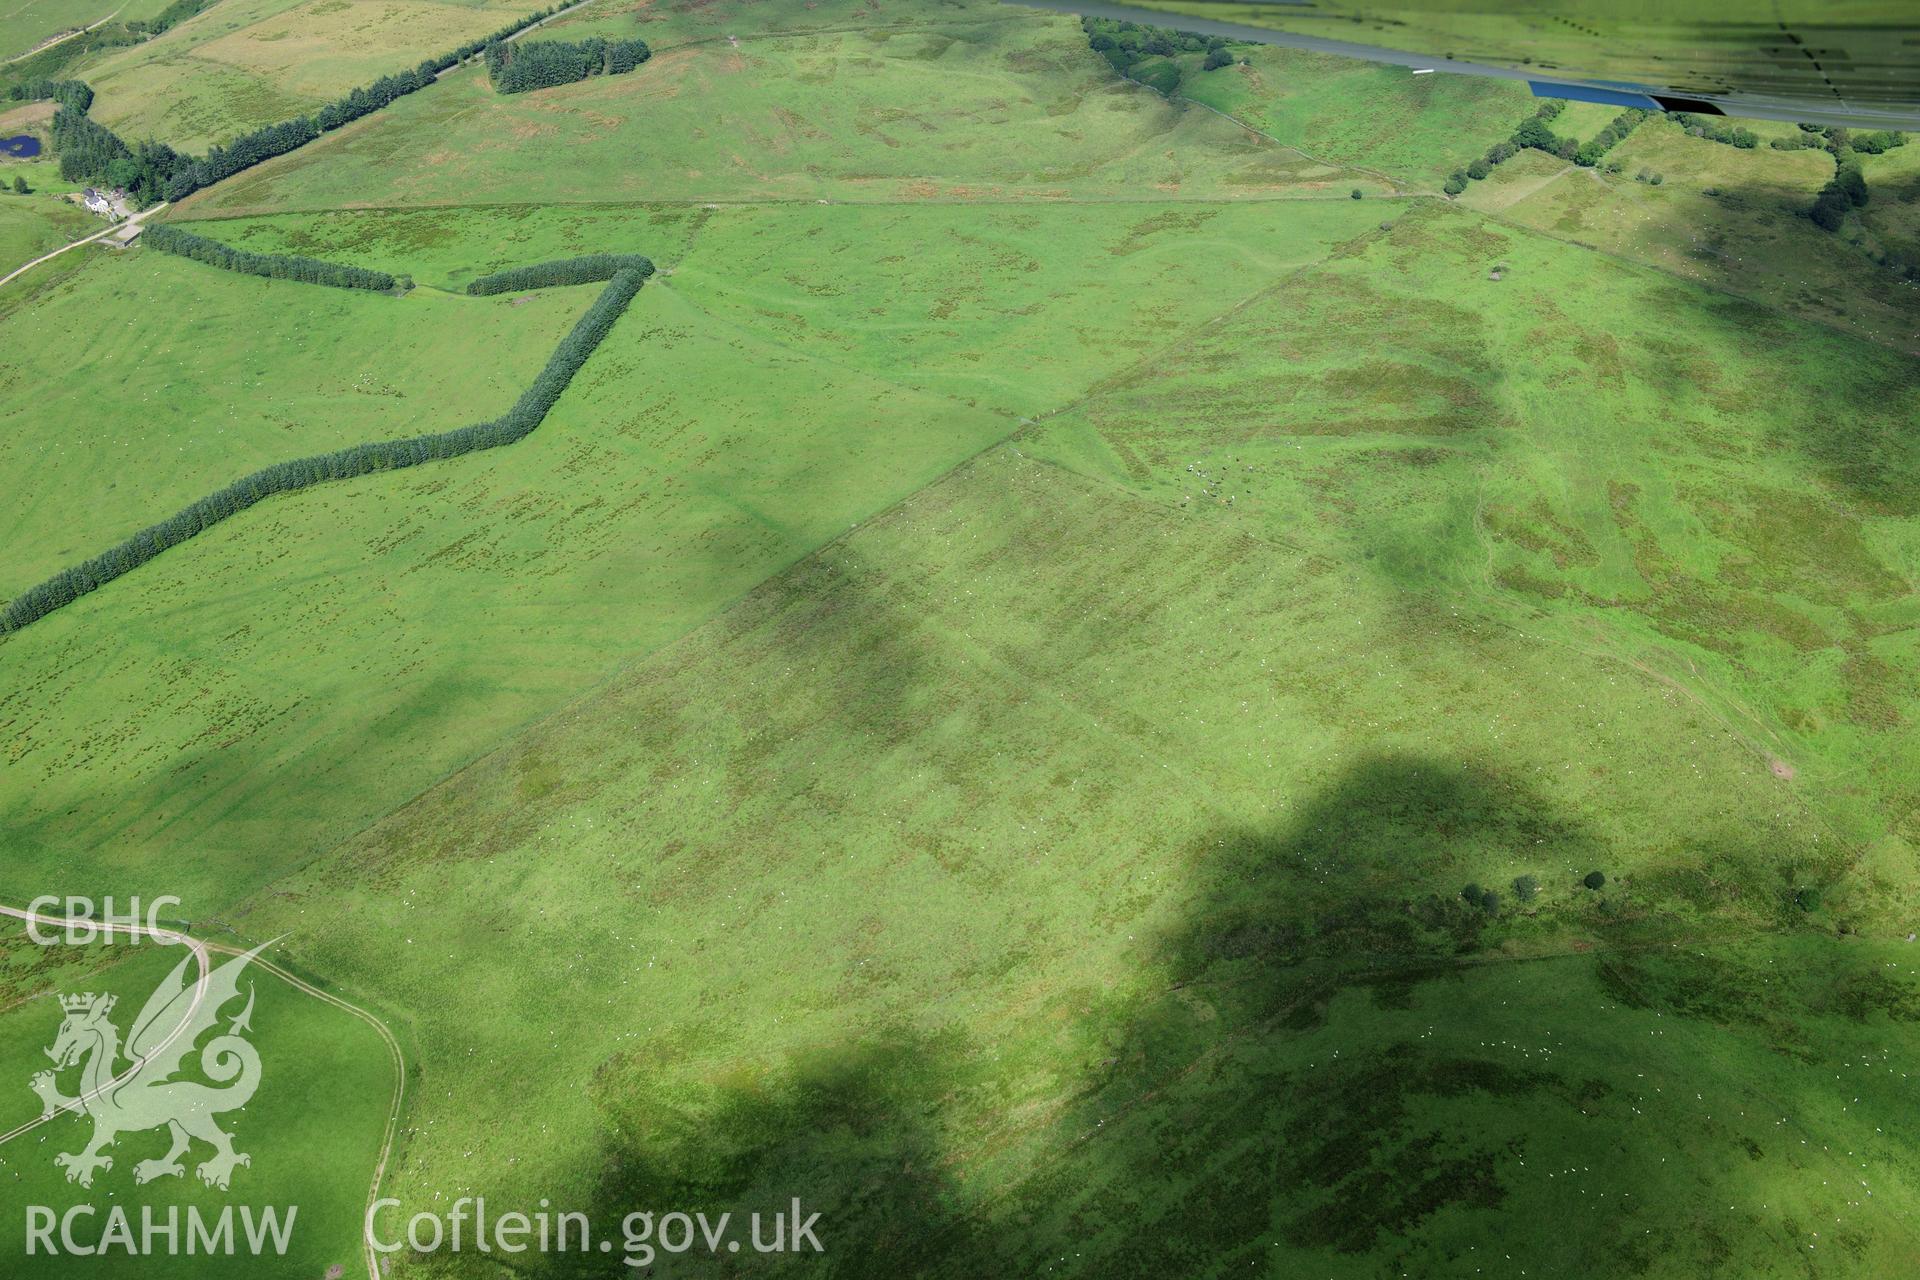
(1193, 1134)
(850, 1131)
(1215, 1138)
(1234, 1111)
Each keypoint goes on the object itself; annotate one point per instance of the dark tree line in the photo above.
(1872, 144)
(1533, 132)
(1125, 44)
(285, 477)
(188, 174)
(170, 239)
(1608, 138)
(546, 275)
(542, 64)
(92, 153)
(1714, 130)
(1848, 189)
(170, 17)
(75, 95)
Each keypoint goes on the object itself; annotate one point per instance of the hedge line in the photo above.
(1616, 131)
(545, 275)
(1534, 133)
(169, 239)
(285, 477)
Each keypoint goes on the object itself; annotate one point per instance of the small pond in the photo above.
(20, 146)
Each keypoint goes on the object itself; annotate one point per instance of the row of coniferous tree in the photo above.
(285, 477)
(152, 170)
(170, 239)
(541, 64)
(546, 275)
(169, 18)
(76, 94)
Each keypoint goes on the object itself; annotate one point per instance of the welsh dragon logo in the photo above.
(144, 1094)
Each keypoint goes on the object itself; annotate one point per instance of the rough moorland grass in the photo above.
(1582, 120)
(1892, 215)
(1416, 128)
(1017, 310)
(1045, 876)
(874, 115)
(1751, 236)
(784, 891)
(183, 378)
(248, 63)
(313, 1128)
(1690, 496)
(664, 485)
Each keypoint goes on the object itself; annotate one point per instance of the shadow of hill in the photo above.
(1217, 1142)
(1175, 1152)
(851, 1133)
(1329, 1078)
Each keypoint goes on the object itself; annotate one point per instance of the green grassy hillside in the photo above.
(1735, 220)
(1056, 687)
(761, 896)
(661, 489)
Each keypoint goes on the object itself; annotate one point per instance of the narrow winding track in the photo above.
(98, 235)
(44, 45)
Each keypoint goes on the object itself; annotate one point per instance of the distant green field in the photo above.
(906, 116)
(969, 290)
(669, 24)
(246, 63)
(262, 370)
(447, 247)
(25, 24)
